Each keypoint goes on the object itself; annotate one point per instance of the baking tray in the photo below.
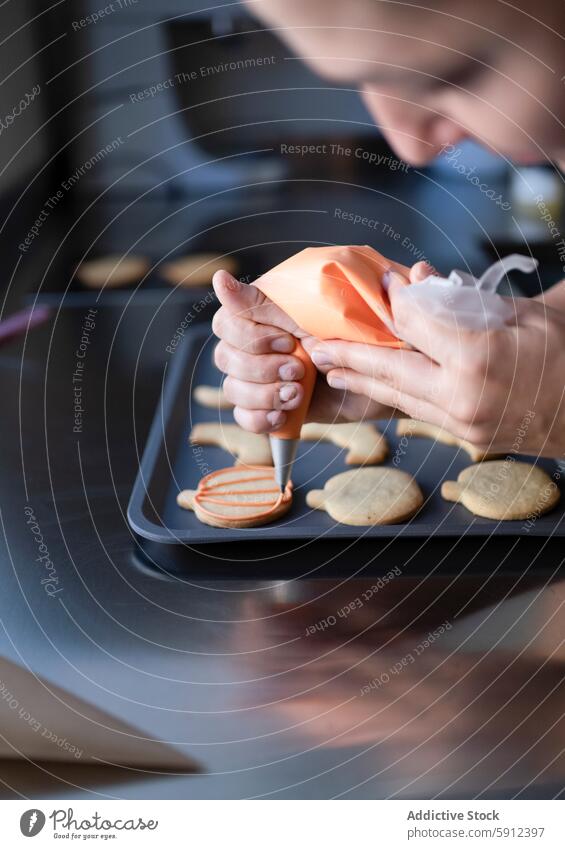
(169, 464)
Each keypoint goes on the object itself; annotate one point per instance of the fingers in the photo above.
(309, 343)
(262, 368)
(416, 408)
(333, 405)
(421, 270)
(263, 396)
(248, 302)
(553, 297)
(348, 381)
(254, 351)
(416, 324)
(249, 336)
(407, 372)
(259, 421)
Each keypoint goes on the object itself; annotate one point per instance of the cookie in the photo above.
(368, 497)
(366, 444)
(412, 427)
(242, 497)
(211, 396)
(503, 489)
(112, 272)
(251, 449)
(196, 269)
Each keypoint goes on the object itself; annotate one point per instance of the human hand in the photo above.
(554, 296)
(263, 378)
(500, 389)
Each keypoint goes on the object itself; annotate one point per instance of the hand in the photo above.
(553, 297)
(256, 340)
(500, 389)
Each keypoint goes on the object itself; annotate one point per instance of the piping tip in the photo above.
(283, 451)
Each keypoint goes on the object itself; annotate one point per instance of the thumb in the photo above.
(247, 301)
(237, 298)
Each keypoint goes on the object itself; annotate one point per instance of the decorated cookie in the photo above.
(238, 497)
(112, 272)
(196, 269)
(412, 427)
(503, 489)
(251, 449)
(365, 442)
(368, 496)
(211, 396)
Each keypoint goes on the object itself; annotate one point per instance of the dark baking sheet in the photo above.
(169, 464)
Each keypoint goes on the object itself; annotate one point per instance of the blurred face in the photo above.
(494, 73)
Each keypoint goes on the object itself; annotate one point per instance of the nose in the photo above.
(416, 133)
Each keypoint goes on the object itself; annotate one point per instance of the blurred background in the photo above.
(163, 129)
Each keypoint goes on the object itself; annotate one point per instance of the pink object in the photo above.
(22, 321)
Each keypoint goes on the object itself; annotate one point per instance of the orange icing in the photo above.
(206, 492)
(336, 292)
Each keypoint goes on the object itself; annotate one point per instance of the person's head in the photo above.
(433, 72)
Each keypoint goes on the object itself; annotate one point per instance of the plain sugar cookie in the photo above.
(112, 272)
(212, 397)
(251, 449)
(365, 442)
(503, 489)
(368, 497)
(196, 269)
(412, 427)
(237, 497)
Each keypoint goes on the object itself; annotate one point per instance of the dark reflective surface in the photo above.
(444, 678)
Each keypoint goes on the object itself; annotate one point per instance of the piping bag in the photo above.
(337, 293)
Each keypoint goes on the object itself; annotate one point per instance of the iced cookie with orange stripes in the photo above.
(238, 497)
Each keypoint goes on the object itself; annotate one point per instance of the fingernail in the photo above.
(282, 344)
(288, 392)
(275, 418)
(231, 283)
(336, 382)
(290, 371)
(321, 358)
(390, 277)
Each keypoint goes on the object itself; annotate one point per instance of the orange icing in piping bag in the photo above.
(331, 293)
(335, 293)
(209, 491)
